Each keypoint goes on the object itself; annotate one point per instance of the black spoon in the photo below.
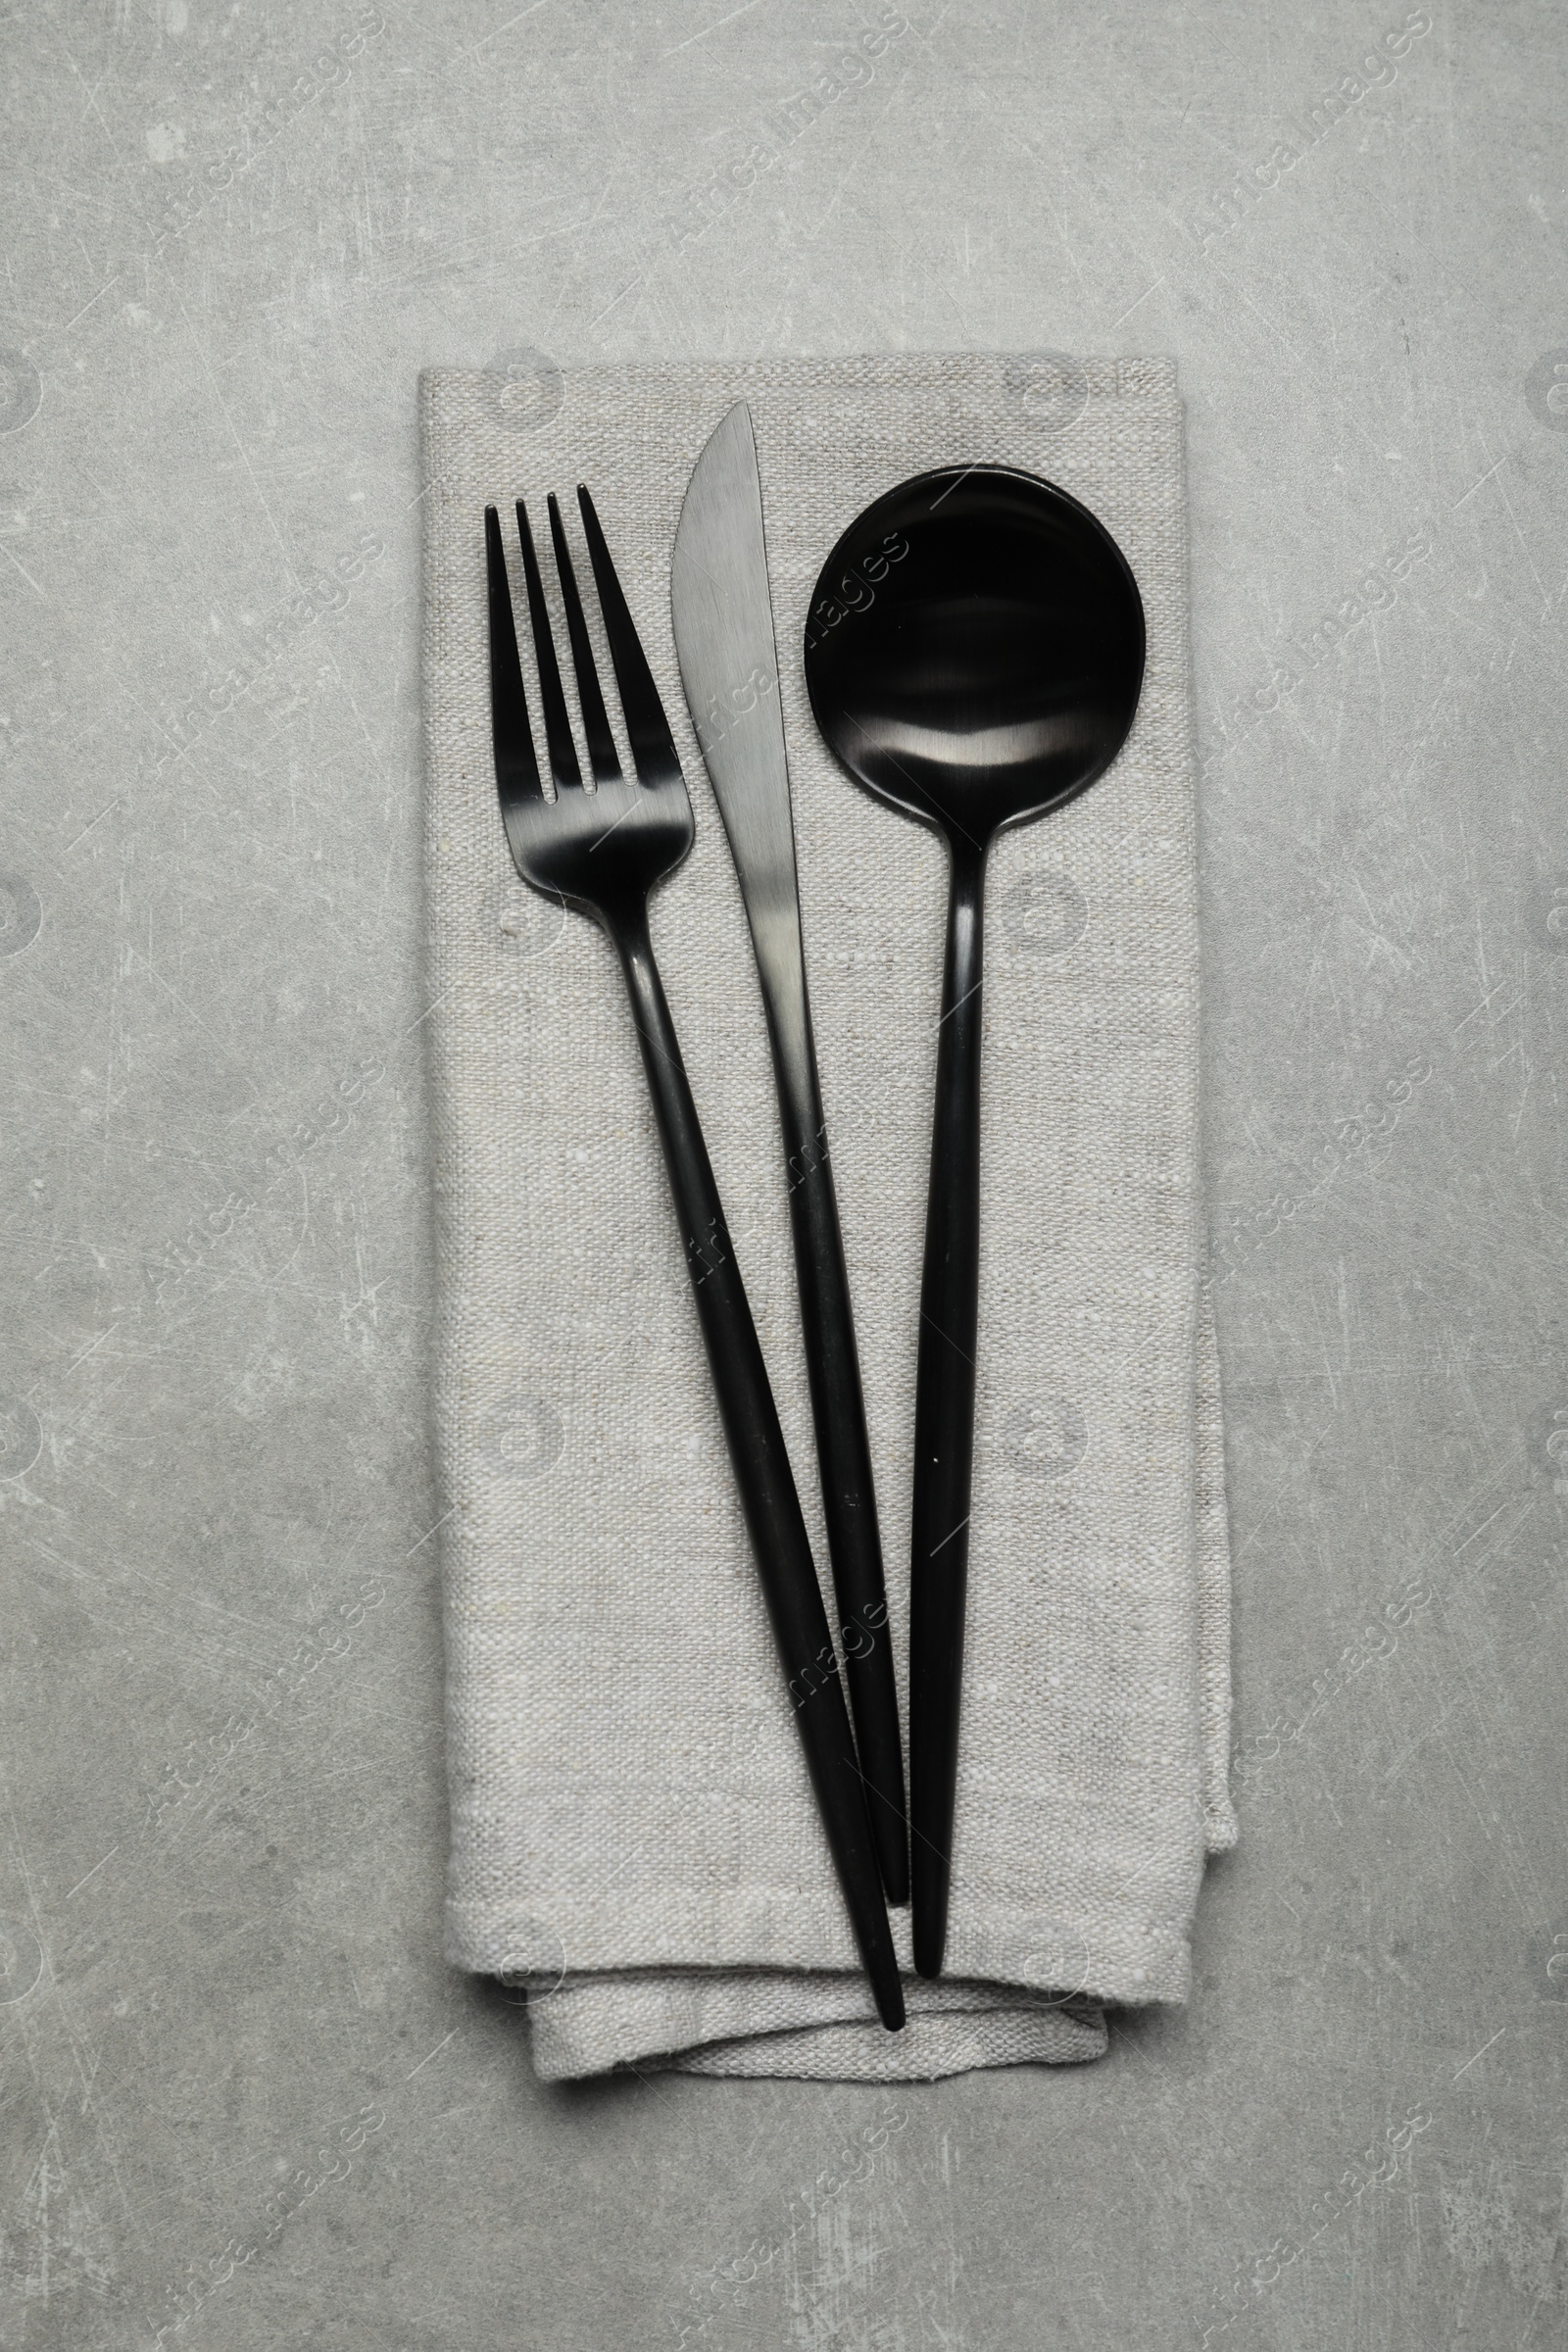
(975, 655)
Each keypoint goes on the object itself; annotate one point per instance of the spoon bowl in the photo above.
(976, 649)
(974, 656)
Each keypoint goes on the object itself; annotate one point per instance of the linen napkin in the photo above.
(632, 1830)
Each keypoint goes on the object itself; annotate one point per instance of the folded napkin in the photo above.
(632, 1828)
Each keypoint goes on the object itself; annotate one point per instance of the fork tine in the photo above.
(557, 726)
(603, 757)
(653, 747)
(516, 767)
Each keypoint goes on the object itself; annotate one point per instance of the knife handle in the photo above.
(768, 1498)
(838, 1412)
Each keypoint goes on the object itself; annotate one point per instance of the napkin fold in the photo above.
(632, 1830)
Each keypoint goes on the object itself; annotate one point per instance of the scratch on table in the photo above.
(435, 2053)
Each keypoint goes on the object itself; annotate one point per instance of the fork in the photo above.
(603, 852)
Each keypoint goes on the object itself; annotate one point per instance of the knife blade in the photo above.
(725, 640)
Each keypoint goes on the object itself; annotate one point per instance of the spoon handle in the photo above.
(944, 1414)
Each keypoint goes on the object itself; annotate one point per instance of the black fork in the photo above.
(602, 852)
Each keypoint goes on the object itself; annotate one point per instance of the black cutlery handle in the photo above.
(944, 1416)
(838, 1413)
(768, 1491)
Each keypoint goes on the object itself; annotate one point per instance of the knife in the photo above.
(724, 620)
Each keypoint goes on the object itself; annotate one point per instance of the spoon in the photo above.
(973, 655)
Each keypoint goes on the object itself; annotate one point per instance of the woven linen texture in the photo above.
(631, 1824)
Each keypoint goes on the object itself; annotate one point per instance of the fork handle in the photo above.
(768, 1491)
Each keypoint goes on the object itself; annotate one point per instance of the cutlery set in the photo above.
(973, 657)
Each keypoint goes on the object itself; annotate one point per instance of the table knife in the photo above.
(723, 620)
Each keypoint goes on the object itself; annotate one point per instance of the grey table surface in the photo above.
(245, 2102)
